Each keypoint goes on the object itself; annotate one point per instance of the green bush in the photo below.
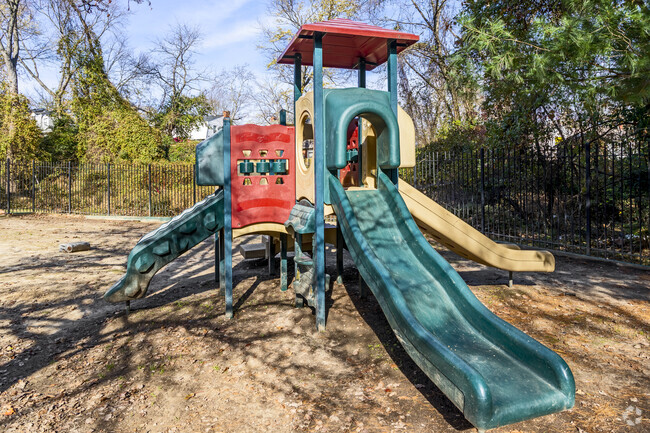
(19, 134)
(183, 151)
(61, 143)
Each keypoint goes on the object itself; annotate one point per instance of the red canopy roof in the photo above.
(344, 42)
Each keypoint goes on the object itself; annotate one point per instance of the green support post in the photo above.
(392, 89)
(270, 249)
(297, 251)
(297, 83)
(218, 256)
(339, 253)
(283, 262)
(319, 167)
(362, 287)
(227, 215)
(297, 93)
(362, 84)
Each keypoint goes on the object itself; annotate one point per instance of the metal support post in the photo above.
(33, 186)
(69, 187)
(108, 193)
(362, 84)
(392, 89)
(482, 190)
(283, 262)
(8, 170)
(588, 197)
(150, 198)
(339, 253)
(319, 166)
(297, 84)
(270, 252)
(227, 214)
(297, 251)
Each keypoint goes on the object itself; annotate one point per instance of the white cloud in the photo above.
(243, 31)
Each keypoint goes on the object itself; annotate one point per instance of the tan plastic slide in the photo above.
(468, 242)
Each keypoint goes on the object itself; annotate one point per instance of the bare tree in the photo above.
(233, 91)
(290, 15)
(130, 72)
(271, 97)
(14, 18)
(182, 104)
(68, 37)
(432, 88)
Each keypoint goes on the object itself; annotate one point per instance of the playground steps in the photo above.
(159, 247)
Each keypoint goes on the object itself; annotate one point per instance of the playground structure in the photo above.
(274, 182)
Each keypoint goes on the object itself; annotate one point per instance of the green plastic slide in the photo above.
(494, 373)
(163, 245)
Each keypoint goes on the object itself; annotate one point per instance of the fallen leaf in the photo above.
(190, 395)
(9, 412)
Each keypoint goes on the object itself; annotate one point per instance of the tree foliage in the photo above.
(182, 105)
(109, 127)
(19, 134)
(556, 69)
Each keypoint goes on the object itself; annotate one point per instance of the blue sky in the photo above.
(231, 29)
(231, 34)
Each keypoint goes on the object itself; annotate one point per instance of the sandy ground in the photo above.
(70, 362)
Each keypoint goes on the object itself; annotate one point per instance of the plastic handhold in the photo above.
(279, 167)
(162, 249)
(246, 167)
(144, 263)
(263, 167)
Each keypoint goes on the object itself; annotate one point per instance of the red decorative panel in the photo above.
(267, 193)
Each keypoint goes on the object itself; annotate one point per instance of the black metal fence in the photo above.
(592, 200)
(585, 198)
(158, 190)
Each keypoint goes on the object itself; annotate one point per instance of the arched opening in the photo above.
(349, 175)
(368, 140)
(307, 141)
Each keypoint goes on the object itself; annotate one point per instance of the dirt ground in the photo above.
(70, 362)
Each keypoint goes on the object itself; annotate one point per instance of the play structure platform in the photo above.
(340, 162)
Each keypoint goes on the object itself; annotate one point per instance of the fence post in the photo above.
(33, 186)
(149, 189)
(109, 189)
(588, 195)
(482, 190)
(193, 184)
(8, 168)
(415, 173)
(69, 187)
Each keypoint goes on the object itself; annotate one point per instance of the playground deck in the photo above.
(71, 362)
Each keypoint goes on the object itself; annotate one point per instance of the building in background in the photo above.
(43, 119)
(210, 126)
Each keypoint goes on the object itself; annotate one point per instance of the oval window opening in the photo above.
(307, 142)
